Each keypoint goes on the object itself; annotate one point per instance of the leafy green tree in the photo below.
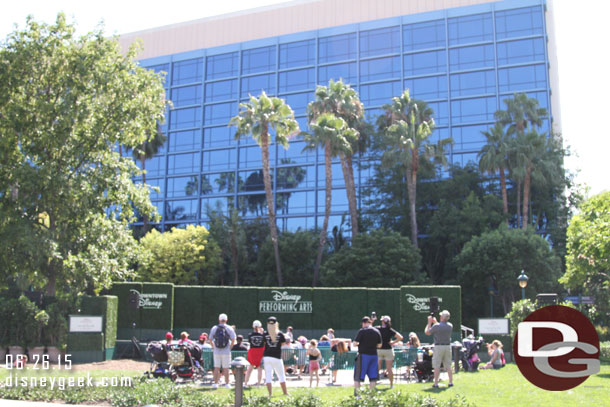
(180, 256)
(229, 233)
(407, 125)
(380, 258)
(493, 157)
(502, 254)
(588, 257)
(342, 101)
(257, 118)
(65, 103)
(332, 133)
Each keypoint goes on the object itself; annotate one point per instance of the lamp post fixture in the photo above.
(522, 283)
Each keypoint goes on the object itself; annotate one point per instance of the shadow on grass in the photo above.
(603, 375)
(434, 390)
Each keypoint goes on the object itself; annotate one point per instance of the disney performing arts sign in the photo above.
(285, 303)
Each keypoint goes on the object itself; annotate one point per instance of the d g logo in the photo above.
(556, 348)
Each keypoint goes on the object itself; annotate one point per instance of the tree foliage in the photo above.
(180, 256)
(66, 195)
(380, 258)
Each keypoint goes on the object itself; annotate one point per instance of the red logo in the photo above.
(556, 348)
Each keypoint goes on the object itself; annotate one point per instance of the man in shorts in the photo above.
(442, 345)
(222, 338)
(368, 340)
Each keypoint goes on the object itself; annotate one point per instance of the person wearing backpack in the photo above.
(222, 338)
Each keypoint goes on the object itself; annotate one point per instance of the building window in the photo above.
(380, 42)
(295, 154)
(222, 136)
(522, 78)
(162, 69)
(220, 91)
(254, 85)
(519, 23)
(296, 202)
(441, 112)
(380, 93)
(298, 223)
(185, 140)
(473, 83)
(155, 167)
(222, 66)
(480, 56)
(183, 163)
(185, 118)
(516, 52)
(425, 62)
(295, 54)
(158, 183)
(469, 138)
(251, 156)
(381, 68)
(219, 160)
(301, 79)
(221, 204)
(430, 34)
(430, 87)
(182, 186)
(258, 60)
(187, 95)
(187, 71)
(337, 48)
(473, 110)
(298, 102)
(469, 29)
(181, 210)
(291, 177)
(219, 113)
(348, 72)
(218, 183)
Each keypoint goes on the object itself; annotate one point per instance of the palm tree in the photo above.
(407, 124)
(333, 133)
(342, 101)
(145, 151)
(494, 155)
(257, 117)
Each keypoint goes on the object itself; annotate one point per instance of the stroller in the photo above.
(468, 353)
(160, 367)
(185, 361)
(422, 367)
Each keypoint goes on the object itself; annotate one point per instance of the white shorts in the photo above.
(441, 355)
(270, 364)
(222, 361)
(385, 354)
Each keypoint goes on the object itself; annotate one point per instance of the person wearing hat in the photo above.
(255, 353)
(222, 338)
(442, 345)
(389, 337)
(169, 338)
(203, 341)
(272, 356)
(368, 340)
(184, 338)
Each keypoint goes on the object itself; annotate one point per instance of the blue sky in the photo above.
(582, 30)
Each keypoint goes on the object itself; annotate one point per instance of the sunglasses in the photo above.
(271, 322)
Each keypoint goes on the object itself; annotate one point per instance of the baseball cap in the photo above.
(256, 324)
(169, 335)
(203, 336)
(386, 318)
(366, 319)
(223, 317)
(271, 320)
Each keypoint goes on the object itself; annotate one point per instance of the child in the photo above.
(314, 361)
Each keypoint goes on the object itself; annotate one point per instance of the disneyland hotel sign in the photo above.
(285, 303)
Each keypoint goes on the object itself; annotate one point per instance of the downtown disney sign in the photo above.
(283, 302)
(420, 304)
(151, 300)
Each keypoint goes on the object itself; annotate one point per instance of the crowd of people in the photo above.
(374, 344)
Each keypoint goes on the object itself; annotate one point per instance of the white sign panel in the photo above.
(498, 326)
(81, 323)
(283, 302)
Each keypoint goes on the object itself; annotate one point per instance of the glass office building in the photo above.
(463, 61)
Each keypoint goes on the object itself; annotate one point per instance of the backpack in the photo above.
(221, 337)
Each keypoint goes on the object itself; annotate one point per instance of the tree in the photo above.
(588, 258)
(257, 118)
(493, 157)
(65, 103)
(381, 258)
(502, 254)
(342, 101)
(228, 232)
(332, 133)
(407, 124)
(180, 256)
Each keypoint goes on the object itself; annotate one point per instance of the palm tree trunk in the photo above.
(503, 187)
(270, 206)
(526, 196)
(411, 191)
(351, 192)
(329, 181)
(519, 203)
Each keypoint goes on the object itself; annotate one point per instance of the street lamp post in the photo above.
(522, 283)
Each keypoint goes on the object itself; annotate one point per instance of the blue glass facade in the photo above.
(462, 61)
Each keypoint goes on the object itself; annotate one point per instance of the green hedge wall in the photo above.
(127, 315)
(86, 342)
(106, 306)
